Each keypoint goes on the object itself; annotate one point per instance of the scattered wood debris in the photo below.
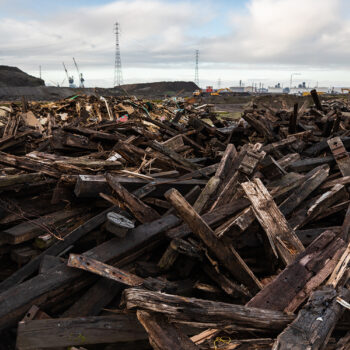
(137, 225)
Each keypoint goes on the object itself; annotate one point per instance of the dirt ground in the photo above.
(231, 107)
(51, 93)
(160, 89)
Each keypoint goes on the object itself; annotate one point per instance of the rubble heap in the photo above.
(140, 225)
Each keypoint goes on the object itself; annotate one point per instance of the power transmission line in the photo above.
(196, 75)
(118, 77)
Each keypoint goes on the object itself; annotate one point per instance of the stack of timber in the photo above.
(128, 224)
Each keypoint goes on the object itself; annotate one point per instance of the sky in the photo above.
(256, 41)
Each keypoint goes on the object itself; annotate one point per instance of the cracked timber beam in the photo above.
(283, 240)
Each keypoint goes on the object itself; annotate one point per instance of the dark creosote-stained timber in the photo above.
(139, 217)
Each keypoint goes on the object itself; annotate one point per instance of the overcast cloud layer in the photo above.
(253, 40)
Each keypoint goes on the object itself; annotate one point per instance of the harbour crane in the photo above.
(57, 84)
(80, 75)
(70, 79)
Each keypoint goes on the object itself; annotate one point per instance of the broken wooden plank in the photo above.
(23, 273)
(290, 158)
(340, 272)
(93, 134)
(227, 255)
(48, 262)
(65, 141)
(308, 164)
(229, 287)
(104, 270)
(44, 224)
(263, 128)
(28, 164)
(34, 313)
(206, 194)
(210, 218)
(314, 179)
(89, 186)
(316, 99)
(97, 297)
(271, 169)
(247, 162)
(275, 147)
(168, 258)
(226, 164)
(190, 196)
(344, 343)
(315, 322)
(281, 237)
(16, 300)
(322, 146)
(242, 221)
(53, 333)
(178, 308)
(162, 334)
(342, 181)
(346, 226)
(87, 164)
(23, 255)
(8, 182)
(296, 281)
(340, 154)
(293, 120)
(218, 181)
(311, 210)
(174, 156)
(203, 172)
(139, 209)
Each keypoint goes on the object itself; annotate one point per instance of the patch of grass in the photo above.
(230, 116)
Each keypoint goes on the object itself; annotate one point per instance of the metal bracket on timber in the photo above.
(250, 161)
(94, 266)
(340, 155)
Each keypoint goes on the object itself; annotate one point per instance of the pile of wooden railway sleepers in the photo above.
(129, 224)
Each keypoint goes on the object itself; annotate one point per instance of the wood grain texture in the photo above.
(225, 254)
(298, 279)
(204, 311)
(315, 321)
(162, 334)
(52, 333)
(281, 237)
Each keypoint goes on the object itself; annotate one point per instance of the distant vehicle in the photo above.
(345, 89)
(307, 93)
(219, 91)
(209, 91)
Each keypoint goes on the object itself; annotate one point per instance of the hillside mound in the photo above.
(168, 88)
(13, 76)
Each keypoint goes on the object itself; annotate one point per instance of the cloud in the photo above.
(161, 34)
(148, 29)
(286, 32)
